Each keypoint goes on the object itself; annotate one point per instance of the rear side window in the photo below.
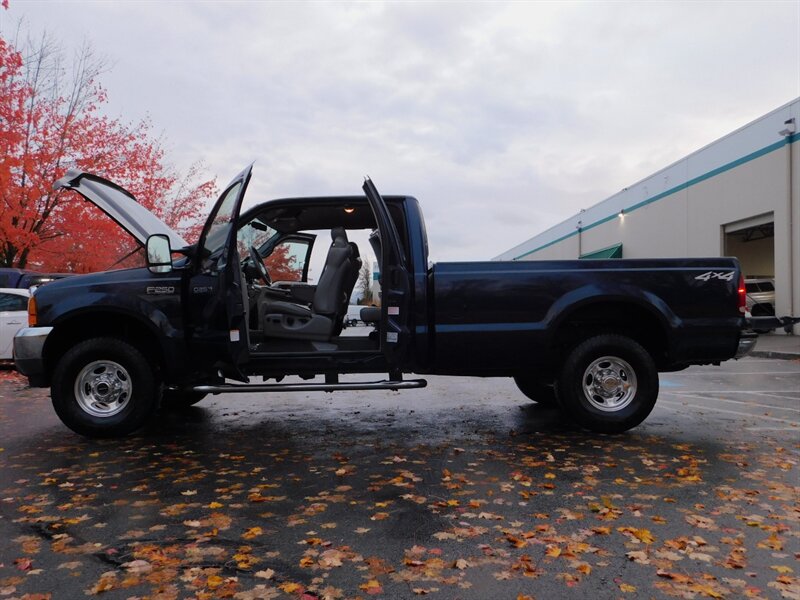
(9, 302)
(759, 286)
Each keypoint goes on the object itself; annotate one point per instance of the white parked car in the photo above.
(13, 317)
(352, 318)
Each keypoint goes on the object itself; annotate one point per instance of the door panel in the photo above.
(215, 294)
(13, 317)
(5, 336)
(10, 323)
(395, 284)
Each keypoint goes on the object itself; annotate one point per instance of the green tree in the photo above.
(365, 282)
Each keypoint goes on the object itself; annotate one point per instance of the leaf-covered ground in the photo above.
(465, 492)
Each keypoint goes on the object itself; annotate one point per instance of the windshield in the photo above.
(254, 234)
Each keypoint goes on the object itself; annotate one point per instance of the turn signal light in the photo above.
(32, 315)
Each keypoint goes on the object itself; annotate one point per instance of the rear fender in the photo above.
(570, 304)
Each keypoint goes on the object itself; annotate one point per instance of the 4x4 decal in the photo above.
(723, 275)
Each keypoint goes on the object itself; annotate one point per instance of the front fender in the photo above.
(144, 309)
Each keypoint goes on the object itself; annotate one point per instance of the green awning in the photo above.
(614, 251)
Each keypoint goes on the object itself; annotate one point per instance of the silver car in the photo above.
(760, 298)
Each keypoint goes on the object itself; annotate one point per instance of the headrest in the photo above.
(338, 233)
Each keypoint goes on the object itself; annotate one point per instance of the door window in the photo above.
(218, 230)
(287, 261)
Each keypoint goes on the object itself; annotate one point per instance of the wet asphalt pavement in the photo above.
(461, 490)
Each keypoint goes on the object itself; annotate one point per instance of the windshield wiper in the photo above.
(126, 257)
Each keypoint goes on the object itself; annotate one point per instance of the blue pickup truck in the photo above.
(590, 336)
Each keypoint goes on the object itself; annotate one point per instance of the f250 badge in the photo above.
(157, 290)
(723, 275)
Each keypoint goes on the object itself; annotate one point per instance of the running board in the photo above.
(229, 388)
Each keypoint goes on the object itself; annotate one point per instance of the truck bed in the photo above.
(500, 317)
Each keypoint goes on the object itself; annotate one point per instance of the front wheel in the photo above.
(104, 387)
(608, 384)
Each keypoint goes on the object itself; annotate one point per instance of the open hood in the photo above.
(120, 205)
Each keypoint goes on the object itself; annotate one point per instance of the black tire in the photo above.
(181, 398)
(104, 387)
(541, 392)
(608, 384)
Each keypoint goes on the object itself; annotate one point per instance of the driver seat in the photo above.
(294, 321)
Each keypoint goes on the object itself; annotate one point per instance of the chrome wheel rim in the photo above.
(103, 388)
(609, 384)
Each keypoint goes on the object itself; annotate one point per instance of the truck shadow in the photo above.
(351, 421)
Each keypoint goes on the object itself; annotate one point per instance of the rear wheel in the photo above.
(540, 391)
(104, 387)
(608, 384)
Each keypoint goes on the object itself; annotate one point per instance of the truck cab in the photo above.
(202, 316)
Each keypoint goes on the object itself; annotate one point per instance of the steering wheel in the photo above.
(255, 257)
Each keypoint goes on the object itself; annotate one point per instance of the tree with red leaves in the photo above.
(50, 122)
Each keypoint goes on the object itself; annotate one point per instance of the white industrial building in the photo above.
(738, 196)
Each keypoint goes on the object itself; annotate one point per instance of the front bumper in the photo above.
(28, 353)
(747, 343)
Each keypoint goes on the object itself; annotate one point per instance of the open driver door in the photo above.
(215, 295)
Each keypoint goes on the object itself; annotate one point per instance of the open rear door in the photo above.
(395, 284)
(216, 293)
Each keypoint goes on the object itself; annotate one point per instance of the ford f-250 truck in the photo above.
(204, 318)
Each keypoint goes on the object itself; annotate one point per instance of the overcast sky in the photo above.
(503, 119)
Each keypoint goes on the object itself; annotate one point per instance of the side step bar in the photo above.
(229, 388)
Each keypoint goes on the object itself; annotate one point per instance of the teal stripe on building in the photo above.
(791, 139)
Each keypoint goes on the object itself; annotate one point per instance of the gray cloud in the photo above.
(501, 118)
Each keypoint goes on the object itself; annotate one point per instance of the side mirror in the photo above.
(159, 253)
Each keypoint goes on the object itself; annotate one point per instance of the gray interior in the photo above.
(320, 321)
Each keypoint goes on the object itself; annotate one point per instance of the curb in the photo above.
(774, 354)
